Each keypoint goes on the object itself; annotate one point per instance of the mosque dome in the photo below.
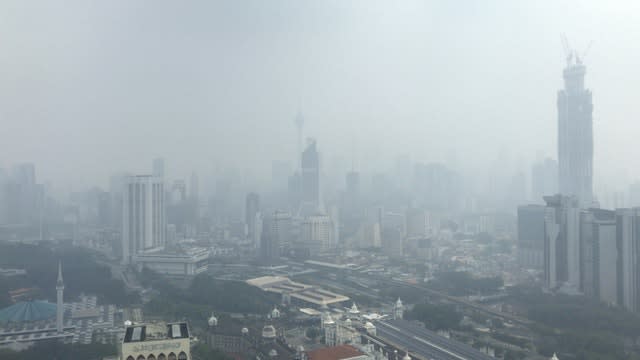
(406, 356)
(269, 332)
(369, 325)
(244, 331)
(554, 357)
(28, 311)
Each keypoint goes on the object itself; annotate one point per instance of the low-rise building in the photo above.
(157, 341)
(186, 262)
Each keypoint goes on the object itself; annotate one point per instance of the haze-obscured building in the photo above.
(575, 134)
(562, 242)
(531, 236)
(143, 222)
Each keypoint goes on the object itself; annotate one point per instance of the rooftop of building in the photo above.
(308, 293)
(28, 311)
(174, 253)
(156, 331)
(340, 352)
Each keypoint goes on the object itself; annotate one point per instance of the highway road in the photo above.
(425, 344)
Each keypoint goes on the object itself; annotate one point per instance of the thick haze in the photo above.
(91, 88)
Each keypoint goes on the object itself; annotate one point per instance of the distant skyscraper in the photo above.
(143, 221)
(353, 183)
(544, 179)
(392, 242)
(158, 167)
(531, 236)
(437, 187)
(311, 177)
(418, 222)
(23, 196)
(562, 242)
(281, 227)
(317, 233)
(269, 251)
(24, 173)
(299, 122)
(634, 194)
(251, 210)
(599, 255)
(194, 186)
(178, 192)
(575, 134)
(628, 263)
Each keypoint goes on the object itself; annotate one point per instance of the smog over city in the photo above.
(319, 180)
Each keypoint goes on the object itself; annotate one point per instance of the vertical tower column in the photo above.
(60, 301)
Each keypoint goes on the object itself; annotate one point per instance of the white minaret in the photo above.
(398, 310)
(60, 302)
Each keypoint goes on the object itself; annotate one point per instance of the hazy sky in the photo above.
(88, 88)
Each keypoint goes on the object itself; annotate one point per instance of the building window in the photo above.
(141, 357)
(182, 356)
(151, 357)
(172, 356)
(162, 356)
(130, 358)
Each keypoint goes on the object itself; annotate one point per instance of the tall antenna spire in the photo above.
(60, 301)
(60, 282)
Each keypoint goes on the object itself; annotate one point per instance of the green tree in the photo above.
(436, 317)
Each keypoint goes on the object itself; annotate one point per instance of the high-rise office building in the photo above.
(437, 187)
(599, 253)
(310, 185)
(392, 242)
(281, 228)
(418, 223)
(158, 167)
(194, 186)
(575, 134)
(634, 194)
(317, 233)
(178, 192)
(143, 220)
(269, 252)
(353, 183)
(22, 196)
(531, 236)
(562, 242)
(299, 123)
(251, 210)
(628, 264)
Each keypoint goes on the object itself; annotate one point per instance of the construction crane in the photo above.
(571, 54)
(568, 52)
(580, 59)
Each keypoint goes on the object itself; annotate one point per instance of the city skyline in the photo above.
(438, 85)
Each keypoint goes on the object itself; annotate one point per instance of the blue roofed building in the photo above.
(28, 311)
